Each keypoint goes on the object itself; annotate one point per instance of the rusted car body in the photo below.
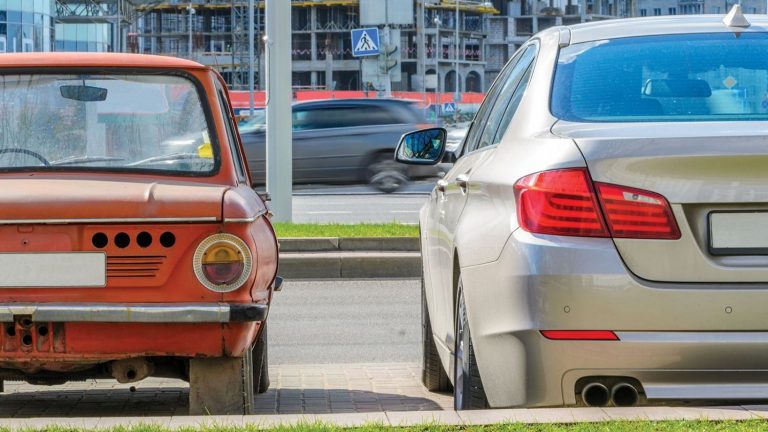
(122, 253)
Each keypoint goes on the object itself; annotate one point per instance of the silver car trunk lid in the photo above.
(703, 169)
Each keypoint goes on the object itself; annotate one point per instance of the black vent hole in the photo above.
(144, 239)
(100, 240)
(167, 239)
(122, 240)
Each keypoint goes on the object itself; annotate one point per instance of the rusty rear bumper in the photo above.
(134, 312)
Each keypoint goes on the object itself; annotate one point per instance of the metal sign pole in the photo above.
(279, 118)
(386, 43)
(251, 42)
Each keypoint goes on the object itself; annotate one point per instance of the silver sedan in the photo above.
(601, 239)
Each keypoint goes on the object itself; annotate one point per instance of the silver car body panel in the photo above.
(689, 165)
(682, 315)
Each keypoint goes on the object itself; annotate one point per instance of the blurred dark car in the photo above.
(343, 141)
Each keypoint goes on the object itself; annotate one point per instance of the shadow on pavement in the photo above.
(320, 401)
(167, 401)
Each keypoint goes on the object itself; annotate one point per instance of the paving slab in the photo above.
(713, 413)
(589, 415)
(111, 422)
(488, 417)
(758, 410)
(343, 419)
(413, 418)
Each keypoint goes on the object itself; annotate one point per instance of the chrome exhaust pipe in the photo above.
(595, 395)
(624, 395)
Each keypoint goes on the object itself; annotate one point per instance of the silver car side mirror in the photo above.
(423, 147)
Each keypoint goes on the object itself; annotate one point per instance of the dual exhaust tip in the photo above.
(622, 395)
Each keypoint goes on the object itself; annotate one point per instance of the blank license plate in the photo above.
(53, 270)
(738, 233)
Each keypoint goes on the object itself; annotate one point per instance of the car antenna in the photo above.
(736, 18)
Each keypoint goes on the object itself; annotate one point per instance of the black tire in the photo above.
(433, 375)
(385, 174)
(468, 390)
(260, 355)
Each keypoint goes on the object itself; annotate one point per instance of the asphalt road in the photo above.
(357, 208)
(366, 321)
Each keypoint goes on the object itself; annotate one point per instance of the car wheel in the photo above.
(468, 391)
(433, 374)
(221, 386)
(261, 362)
(386, 175)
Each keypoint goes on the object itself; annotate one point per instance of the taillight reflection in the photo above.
(633, 213)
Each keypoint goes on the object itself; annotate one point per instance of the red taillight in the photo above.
(564, 202)
(559, 202)
(223, 273)
(596, 335)
(633, 213)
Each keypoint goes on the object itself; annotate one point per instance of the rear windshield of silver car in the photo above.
(104, 122)
(670, 78)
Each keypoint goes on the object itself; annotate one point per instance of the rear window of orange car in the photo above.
(666, 78)
(113, 122)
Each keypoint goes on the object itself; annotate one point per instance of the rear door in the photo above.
(449, 201)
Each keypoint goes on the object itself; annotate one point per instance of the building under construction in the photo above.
(215, 32)
(322, 46)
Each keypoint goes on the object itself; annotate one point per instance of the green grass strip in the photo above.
(346, 230)
(615, 426)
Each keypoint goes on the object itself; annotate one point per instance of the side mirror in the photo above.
(424, 147)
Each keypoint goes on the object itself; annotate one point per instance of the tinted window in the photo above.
(699, 77)
(476, 128)
(514, 103)
(340, 117)
(504, 100)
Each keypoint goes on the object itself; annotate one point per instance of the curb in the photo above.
(409, 418)
(336, 244)
(350, 258)
(350, 265)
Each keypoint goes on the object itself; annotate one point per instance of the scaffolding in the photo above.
(121, 14)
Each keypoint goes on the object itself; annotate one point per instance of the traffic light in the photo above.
(387, 60)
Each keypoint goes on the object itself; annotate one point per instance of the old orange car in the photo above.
(131, 242)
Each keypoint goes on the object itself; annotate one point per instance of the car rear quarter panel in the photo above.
(527, 147)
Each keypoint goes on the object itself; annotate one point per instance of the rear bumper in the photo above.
(676, 341)
(134, 313)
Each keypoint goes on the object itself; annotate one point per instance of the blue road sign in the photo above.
(449, 108)
(365, 42)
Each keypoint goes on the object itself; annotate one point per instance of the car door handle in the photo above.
(441, 185)
(463, 181)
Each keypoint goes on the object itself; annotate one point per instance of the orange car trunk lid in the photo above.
(38, 200)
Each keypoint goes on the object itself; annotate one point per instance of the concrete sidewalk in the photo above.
(341, 394)
(395, 418)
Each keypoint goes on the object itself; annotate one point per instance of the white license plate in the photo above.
(53, 270)
(738, 233)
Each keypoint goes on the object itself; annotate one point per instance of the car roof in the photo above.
(102, 60)
(674, 24)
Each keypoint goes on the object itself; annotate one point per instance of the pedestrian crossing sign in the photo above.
(449, 108)
(365, 42)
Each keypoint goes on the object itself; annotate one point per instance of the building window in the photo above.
(673, 11)
(656, 11)
(715, 9)
(643, 12)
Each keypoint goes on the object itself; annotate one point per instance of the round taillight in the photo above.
(222, 262)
